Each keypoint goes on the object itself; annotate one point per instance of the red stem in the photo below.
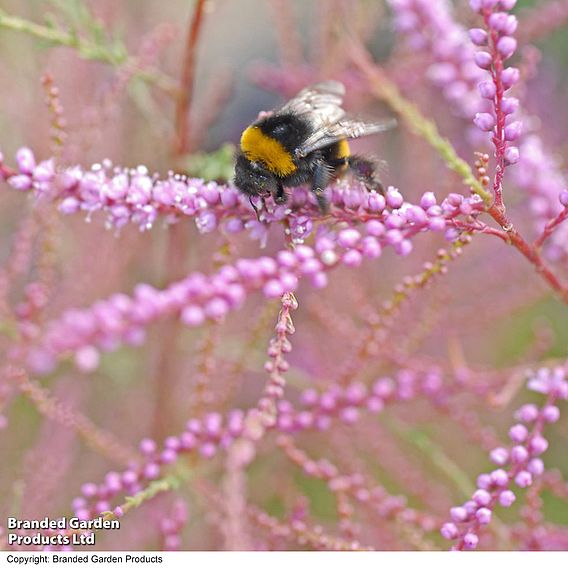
(481, 228)
(531, 253)
(549, 228)
(498, 138)
(185, 97)
(6, 172)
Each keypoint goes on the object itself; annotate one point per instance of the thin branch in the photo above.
(185, 95)
(531, 253)
(90, 50)
(550, 227)
(385, 90)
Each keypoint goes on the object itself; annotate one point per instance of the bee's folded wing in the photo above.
(340, 130)
(319, 105)
(323, 99)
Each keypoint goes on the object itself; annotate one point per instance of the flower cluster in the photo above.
(430, 27)
(127, 195)
(366, 223)
(498, 38)
(215, 433)
(457, 68)
(385, 505)
(135, 196)
(539, 173)
(518, 465)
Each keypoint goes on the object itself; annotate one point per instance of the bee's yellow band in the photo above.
(343, 150)
(258, 147)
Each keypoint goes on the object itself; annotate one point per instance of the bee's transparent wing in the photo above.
(340, 130)
(322, 101)
(320, 106)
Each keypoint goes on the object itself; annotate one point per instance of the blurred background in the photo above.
(484, 321)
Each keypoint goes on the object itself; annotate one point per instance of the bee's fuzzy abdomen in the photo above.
(259, 147)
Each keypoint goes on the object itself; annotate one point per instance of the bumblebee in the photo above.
(304, 142)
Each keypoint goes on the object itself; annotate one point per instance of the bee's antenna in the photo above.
(256, 210)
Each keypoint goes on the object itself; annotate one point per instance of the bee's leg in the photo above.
(280, 196)
(256, 209)
(365, 170)
(322, 175)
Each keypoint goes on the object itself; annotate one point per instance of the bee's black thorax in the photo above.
(287, 129)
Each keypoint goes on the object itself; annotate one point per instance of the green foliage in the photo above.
(73, 26)
(82, 23)
(516, 335)
(217, 165)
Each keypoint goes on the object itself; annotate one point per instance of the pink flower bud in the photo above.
(273, 289)
(506, 46)
(470, 541)
(394, 198)
(449, 531)
(484, 121)
(500, 478)
(216, 308)
(458, 514)
(147, 446)
(551, 413)
(475, 5)
(484, 481)
(348, 238)
(89, 490)
(87, 359)
(498, 21)
(506, 498)
(511, 155)
(375, 227)
(518, 433)
(193, 316)
(523, 479)
(20, 182)
(404, 248)
(352, 258)
(151, 470)
(510, 77)
(478, 36)
(483, 515)
(499, 456)
(519, 454)
(538, 445)
(427, 200)
(536, 466)
(482, 497)
(511, 25)
(509, 105)
(483, 59)
(487, 89)
(513, 131)
(69, 206)
(376, 202)
(25, 160)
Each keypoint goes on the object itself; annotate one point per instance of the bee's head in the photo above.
(252, 178)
